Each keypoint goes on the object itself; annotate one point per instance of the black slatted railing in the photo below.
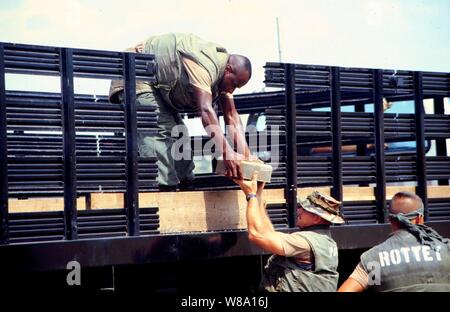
(71, 144)
(68, 144)
(313, 77)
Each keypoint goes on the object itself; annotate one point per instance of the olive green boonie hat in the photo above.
(324, 206)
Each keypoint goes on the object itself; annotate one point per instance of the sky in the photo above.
(397, 34)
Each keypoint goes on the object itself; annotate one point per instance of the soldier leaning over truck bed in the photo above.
(413, 258)
(305, 260)
(191, 75)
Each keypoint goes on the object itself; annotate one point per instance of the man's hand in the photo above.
(232, 162)
(254, 158)
(248, 187)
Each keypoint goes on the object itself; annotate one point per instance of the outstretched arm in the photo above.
(211, 124)
(260, 229)
(351, 285)
(357, 282)
(234, 123)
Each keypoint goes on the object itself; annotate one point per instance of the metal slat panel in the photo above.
(309, 77)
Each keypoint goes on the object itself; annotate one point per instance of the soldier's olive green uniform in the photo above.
(406, 265)
(173, 93)
(283, 274)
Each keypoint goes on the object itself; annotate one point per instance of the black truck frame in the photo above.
(67, 163)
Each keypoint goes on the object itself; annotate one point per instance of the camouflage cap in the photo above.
(324, 206)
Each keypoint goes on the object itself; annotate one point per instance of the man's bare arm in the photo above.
(358, 281)
(260, 229)
(234, 123)
(351, 285)
(212, 126)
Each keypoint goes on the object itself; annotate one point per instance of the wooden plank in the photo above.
(107, 200)
(434, 191)
(197, 199)
(351, 193)
(355, 193)
(203, 211)
(392, 190)
(42, 204)
(438, 191)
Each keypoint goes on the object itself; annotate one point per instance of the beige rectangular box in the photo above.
(248, 168)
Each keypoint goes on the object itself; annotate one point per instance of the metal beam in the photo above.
(360, 148)
(336, 136)
(380, 194)
(441, 144)
(291, 144)
(169, 248)
(419, 111)
(3, 153)
(69, 147)
(132, 193)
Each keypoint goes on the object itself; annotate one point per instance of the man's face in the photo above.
(305, 218)
(233, 79)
